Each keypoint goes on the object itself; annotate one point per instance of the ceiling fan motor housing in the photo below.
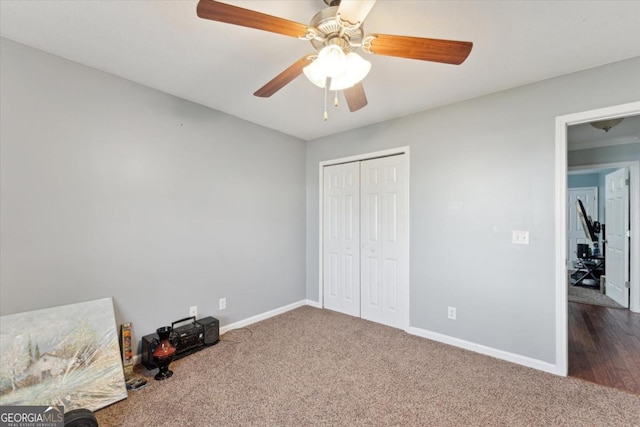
(327, 24)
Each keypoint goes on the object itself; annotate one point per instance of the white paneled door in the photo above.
(341, 229)
(365, 239)
(617, 236)
(383, 201)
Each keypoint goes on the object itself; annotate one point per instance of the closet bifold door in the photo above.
(341, 237)
(384, 230)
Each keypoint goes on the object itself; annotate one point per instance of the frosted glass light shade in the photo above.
(332, 60)
(357, 68)
(314, 73)
(344, 70)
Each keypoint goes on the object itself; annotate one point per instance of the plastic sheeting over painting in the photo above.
(67, 355)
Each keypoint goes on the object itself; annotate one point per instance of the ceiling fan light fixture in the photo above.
(355, 71)
(332, 61)
(343, 70)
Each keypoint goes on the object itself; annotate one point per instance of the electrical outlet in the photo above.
(222, 304)
(193, 311)
(520, 237)
(451, 313)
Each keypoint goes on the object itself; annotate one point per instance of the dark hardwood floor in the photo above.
(604, 346)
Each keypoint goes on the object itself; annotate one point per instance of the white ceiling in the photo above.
(164, 45)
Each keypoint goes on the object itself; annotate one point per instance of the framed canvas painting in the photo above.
(67, 355)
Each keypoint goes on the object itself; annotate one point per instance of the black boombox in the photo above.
(187, 339)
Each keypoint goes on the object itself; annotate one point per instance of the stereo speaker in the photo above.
(211, 330)
(149, 343)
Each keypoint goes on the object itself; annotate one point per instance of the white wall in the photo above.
(109, 188)
(480, 169)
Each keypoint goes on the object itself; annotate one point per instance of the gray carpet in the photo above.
(312, 367)
(590, 295)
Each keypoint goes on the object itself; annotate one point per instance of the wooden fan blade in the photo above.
(435, 50)
(354, 11)
(356, 99)
(222, 12)
(284, 78)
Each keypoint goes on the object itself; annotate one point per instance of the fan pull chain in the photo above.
(326, 115)
(327, 84)
(335, 99)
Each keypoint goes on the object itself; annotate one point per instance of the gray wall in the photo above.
(112, 189)
(480, 169)
(599, 155)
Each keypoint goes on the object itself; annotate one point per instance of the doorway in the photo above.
(561, 282)
(608, 206)
(364, 236)
(602, 332)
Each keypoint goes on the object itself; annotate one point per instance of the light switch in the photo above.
(520, 237)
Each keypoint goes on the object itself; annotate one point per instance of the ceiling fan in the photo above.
(336, 32)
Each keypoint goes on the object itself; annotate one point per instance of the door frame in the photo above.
(561, 169)
(356, 158)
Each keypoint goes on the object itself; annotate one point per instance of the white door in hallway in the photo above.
(617, 236)
(384, 236)
(341, 237)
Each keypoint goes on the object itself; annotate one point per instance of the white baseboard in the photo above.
(262, 316)
(456, 342)
(468, 345)
(488, 351)
(137, 359)
(315, 304)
